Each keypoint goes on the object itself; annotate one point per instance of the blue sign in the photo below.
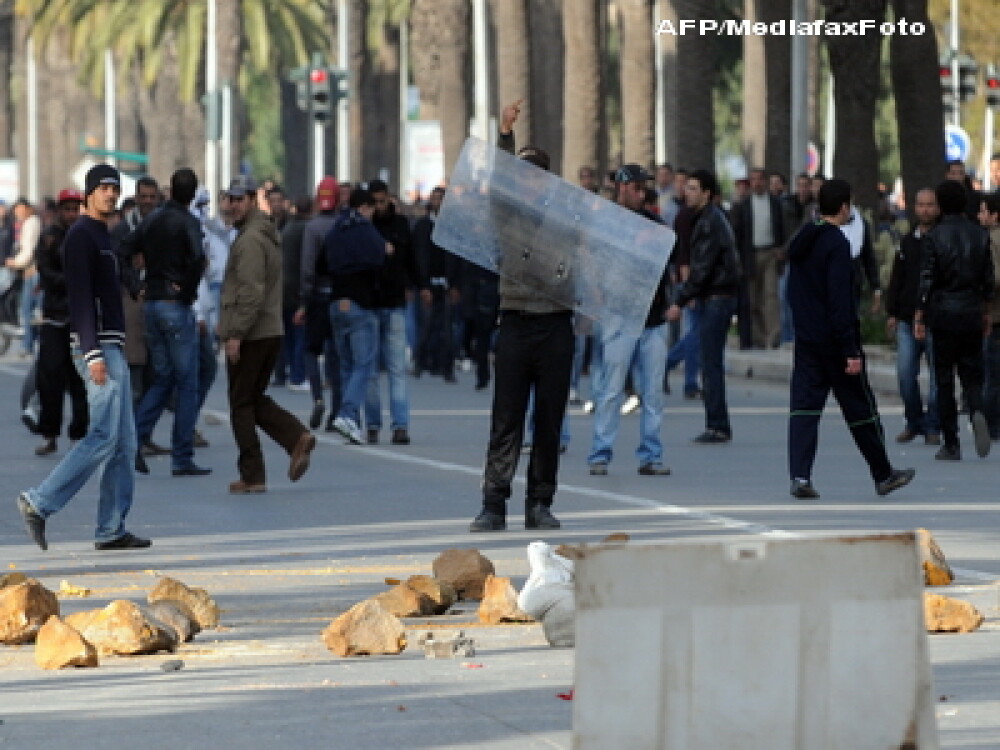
(957, 144)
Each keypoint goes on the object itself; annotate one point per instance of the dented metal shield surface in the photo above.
(753, 644)
(571, 246)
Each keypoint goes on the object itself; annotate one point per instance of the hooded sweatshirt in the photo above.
(820, 289)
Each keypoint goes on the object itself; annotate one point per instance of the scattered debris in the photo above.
(123, 628)
(202, 606)
(172, 665)
(441, 594)
(12, 579)
(446, 645)
(565, 696)
(465, 570)
(402, 601)
(548, 594)
(68, 589)
(24, 608)
(177, 616)
(946, 615)
(500, 603)
(937, 572)
(365, 629)
(470, 665)
(59, 645)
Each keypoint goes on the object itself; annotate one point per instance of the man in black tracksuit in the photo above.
(828, 354)
(956, 285)
(55, 371)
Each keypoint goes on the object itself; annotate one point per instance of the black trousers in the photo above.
(817, 371)
(55, 374)
(961, 351)
(436, 347)
(533, 351)
(250, 407)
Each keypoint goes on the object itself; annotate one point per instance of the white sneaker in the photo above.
(631, 404)
(349, 429)
(588, 407)
(298, 387)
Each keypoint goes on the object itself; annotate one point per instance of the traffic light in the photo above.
(968, 73)
(947, 87)
(992, 87)
(319, 94)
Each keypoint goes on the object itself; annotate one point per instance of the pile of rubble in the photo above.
(30, 613)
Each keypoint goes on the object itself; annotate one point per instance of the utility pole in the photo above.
(481, 87)
(110, 106)
(343, 113)
(800, 93)
(212, 108)
(34, 191)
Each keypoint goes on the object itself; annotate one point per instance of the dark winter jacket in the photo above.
(957, 277)
(715, 267)
(904, 281)
(170, 241)
(52, 275)
(821, 289)
(399, 272)
(355, 254)
(95, 300)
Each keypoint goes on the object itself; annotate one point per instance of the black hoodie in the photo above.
(821, 289)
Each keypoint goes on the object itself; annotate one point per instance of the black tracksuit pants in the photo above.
(961, 351)
(819, 369)
(55, 374)
(532, 351)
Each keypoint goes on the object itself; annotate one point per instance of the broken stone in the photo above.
(58, 645)
(937, 572)
(68, 589)
(202, 606)
(402, 601)
(176, 615)
(500, 603)
(365, 629)
(615, 538)
(24, 608)
(446, 645)
(12, 579)
(123, 628)
(946, 615)
(465, 570)
(441, 594)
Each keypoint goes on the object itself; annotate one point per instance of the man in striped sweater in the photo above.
(97, 333)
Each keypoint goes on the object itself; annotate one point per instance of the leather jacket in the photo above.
(956, 279)
(715, 267)
(170, 240)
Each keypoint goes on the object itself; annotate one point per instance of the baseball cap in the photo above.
(326, 194)
(100, 174)
(67, 195)
(632, 173)
(240, 186)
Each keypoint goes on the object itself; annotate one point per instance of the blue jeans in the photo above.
(579, 350)
(172, 339)
(291, 366)
(355, 333)
(108, 447)
(908, 353)
(686, 350)
(30, 298)
(716, 317)
(392, 353)
(648, 353)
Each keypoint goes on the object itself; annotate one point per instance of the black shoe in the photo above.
(450, 379)
(149, 448)
(599, 470)
(949, 453)
(803, 489)
(48, 446)
(125, 541)
(981, 431)
(329, 423)
(372, 436)
(654, 470)
(693, 395)
(140, 463)
(316, 418)
(32, 521)
(199, 440)
(400, 436)
(898, 478)
(191, 471)
(540, 517)
(712, 436)
(487, 520)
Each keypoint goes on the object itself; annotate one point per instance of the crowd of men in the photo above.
(325, 293)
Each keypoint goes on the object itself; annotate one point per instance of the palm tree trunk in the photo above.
(7, 66)
(361, 78)
(229, 44)
(778, 57)
(693, 102)
(637, 81)
(754, 89)
(381, 108)
(582, 90)
(919, 115)
(513, 61)
(855, 64)
(546, 70)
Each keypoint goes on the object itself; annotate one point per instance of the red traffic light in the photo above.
(317, 75)
(993, 83)
(945, 71)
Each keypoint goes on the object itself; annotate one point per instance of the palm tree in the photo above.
(582, 89)
(638, 86)
(380, 99)
(546, 85)
(439, 35)
(6, 65)
(855, 64)
(766, 87)
(919, 116)
(513, 61)
(692, 101)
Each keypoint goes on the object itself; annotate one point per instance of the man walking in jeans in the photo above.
(169, 242)
(713, 280)
(97, 332)
(900, 304)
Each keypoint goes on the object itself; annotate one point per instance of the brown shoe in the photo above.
(932, 438)
(239, 487)
(300, 456)
(906, 436)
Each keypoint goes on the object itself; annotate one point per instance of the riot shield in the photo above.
(559, 240)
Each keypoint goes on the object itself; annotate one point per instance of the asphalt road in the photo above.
(283, 564)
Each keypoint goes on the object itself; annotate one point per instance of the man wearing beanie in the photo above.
(97, 332)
